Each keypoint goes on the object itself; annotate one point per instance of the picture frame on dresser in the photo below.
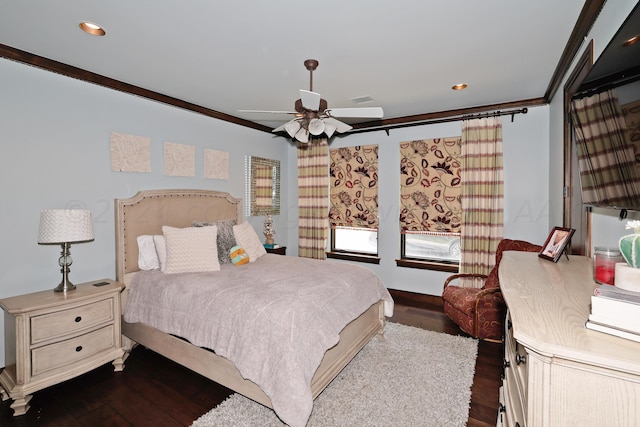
(556, 243)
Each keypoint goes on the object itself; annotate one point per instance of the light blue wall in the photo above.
(55, 153)
(606, 227)
(526, 158)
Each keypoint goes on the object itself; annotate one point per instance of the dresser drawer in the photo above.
(514, 407)
(516, 357)
(54, 356)
(73, 320)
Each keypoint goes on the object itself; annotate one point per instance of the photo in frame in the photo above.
(556, 243)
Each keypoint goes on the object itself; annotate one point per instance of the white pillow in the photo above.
(147, 255)
(191, 249)
(247, 238)
(161, 250)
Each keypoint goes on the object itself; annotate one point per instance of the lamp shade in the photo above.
(65, 226)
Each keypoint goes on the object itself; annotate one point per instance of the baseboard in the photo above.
(415, 299)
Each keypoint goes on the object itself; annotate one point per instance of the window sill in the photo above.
(348, 256)
(427, 265)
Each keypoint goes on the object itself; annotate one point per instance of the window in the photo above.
(354, 240)
(353, 211)
(430, 205)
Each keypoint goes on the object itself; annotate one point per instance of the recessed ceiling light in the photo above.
(632, 40)
(459, 86)
(93, 29)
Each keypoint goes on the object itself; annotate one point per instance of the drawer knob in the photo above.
(505, 363)
(78, 319)
(79, 348)
(502, 408)
(521, 359)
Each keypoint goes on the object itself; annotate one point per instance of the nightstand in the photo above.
(282, 250)
(51, 337)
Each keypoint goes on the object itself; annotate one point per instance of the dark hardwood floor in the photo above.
(154, 391)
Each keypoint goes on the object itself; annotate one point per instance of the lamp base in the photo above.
(64, 262)
(64, 287)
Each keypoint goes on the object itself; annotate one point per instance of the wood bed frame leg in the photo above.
(127, 346)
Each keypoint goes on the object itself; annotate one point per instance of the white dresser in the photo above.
(557, 372)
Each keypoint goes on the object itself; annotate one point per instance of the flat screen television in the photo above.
(616, 72)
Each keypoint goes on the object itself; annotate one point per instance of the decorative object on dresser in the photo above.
(480, 311)
(52, 337)
(615, 311)
(63, 227)
(604, 264)
(556, 243)
(557, 372)
(628, 275)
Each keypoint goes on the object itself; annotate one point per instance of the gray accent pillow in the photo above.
(225, 239)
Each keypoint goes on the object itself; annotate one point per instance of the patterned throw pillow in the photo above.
(225, 239)
(238, 255)
(191, 250)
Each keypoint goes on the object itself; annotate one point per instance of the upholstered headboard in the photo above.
(149, 210)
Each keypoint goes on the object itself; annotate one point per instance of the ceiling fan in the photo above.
(314, 117)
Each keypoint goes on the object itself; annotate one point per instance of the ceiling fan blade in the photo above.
(339, 126)
(373, 112)
(268, 111)
(310, 100)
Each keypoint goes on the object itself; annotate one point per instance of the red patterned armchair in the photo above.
(480, 312)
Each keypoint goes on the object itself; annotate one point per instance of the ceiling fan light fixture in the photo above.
(292, 127)
(302, 135)
(329, 129)
(316, 127)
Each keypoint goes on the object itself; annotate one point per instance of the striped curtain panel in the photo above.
(608, 168)
(313, 198)
(354, 187)
(482, 196)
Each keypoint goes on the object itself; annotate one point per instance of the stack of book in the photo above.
(615, 311)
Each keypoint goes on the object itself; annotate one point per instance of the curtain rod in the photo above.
(457, 118)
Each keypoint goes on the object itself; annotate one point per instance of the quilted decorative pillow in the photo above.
(147, 255)
(247, 238)
(191, 249)
(225, 239)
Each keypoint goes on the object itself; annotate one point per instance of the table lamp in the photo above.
(63, 227)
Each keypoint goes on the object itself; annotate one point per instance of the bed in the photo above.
(145, 214)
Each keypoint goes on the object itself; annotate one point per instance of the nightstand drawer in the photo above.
(65, 322)
(63, 353)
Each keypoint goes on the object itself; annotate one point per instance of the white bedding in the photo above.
(273, 318)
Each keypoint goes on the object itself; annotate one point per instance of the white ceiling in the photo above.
(233, 54)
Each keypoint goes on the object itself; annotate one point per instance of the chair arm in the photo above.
(479, 296)
(462, 275)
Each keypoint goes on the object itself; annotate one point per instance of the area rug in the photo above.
(408, 377)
